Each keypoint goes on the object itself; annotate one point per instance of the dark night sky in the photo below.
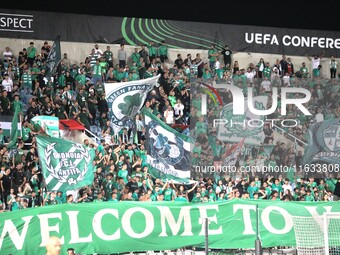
(290, 14)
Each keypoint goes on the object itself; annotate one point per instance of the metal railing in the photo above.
(291, 137)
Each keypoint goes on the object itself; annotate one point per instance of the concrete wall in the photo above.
(77, 52)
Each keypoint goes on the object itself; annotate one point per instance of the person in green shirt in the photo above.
(267, 71)
(114, 197)
(316, 71)
(31, 53)
(123, 173)
(276, 186)
(168, 193)
(135, 57)
(105, 66)
(97, 72)
(2, 136)
(309, 197)
(163, 51)
(304, 70)
(207, 75)
(212, 194)
(148, 73)
(198, 198)
(152, 51)
(252, 189)
(81, 78)
(35, 71)
(212, 55)
(181, 197)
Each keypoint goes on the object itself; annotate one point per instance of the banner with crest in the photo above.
(169, 155)
(324, 143)
(65, 165)
(125, 99)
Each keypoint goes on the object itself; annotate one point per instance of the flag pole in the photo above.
(206, 236)
(258, 245)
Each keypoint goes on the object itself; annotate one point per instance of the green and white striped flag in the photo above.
(65, 165)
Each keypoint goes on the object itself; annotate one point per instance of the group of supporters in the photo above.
(121, 172)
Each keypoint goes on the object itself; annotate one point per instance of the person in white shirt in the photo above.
(178, 111)
(286, 80)
(333, 66)
(217, 65)
(8, 55)
(316, 60)
(169, 116)
(98, 51)
(7, 83)
(266, 85)
(319, 117)
(250, 76)
(287, 186)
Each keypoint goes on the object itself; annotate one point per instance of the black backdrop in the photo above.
(182, 34)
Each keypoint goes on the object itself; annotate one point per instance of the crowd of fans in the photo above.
(121, 174)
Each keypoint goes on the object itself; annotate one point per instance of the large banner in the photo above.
(168, 150)
(65, 165)
(324, 143)
(177, 34)
(133, 226)
(125, 99)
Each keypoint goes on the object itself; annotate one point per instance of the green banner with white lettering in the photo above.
(134, 226)
(65, 165)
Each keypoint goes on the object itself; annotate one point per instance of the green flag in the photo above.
(169, 151)
(14, 129)
(125, 99)
(65, 165)
(53, 58)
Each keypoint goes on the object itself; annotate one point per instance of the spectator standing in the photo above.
(283, 63)
(163, 51)
(122, 56)
(7, 57)
(93, 57)
(316, 60)
(144, 54)
(290, 67)
(108, 56)
(66, 61)
(135, 57)
(333, 64)
(152, 51)
(45, 50)
(226, 52)
(304, 70)
(212, 55)
(31, 54)
(98, 51)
